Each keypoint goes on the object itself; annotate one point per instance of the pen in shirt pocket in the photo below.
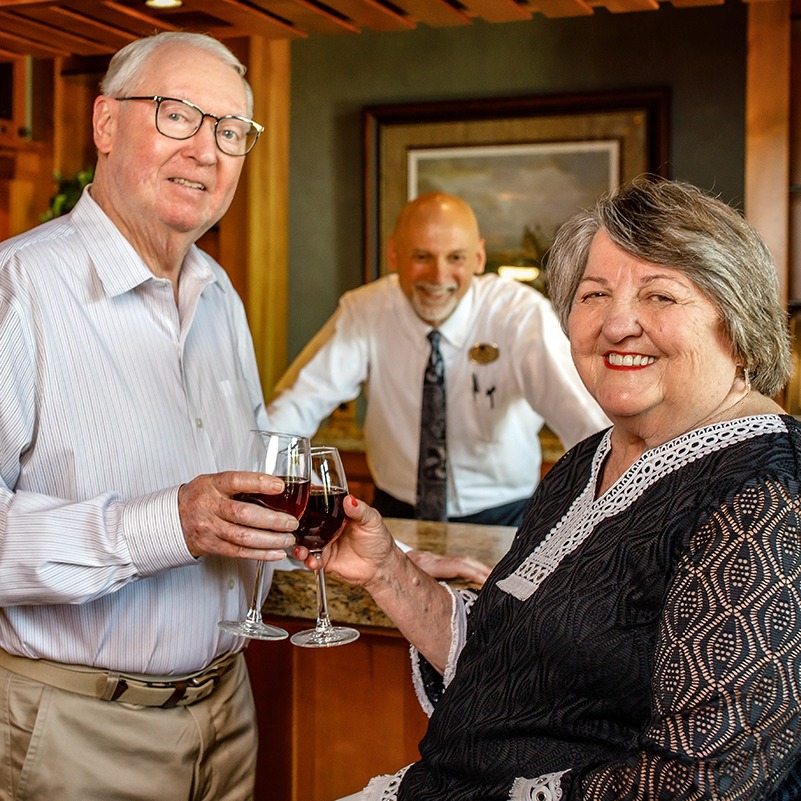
(490, 392)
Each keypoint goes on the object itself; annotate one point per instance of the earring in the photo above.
(747, 379)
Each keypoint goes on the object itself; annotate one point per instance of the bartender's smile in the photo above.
(436, 291)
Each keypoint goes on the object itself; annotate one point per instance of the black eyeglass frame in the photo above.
(159, 99)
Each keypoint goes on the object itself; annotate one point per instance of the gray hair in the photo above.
(128, 62)
(676, 225)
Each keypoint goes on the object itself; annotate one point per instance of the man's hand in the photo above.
(450, 567)
(214, 523)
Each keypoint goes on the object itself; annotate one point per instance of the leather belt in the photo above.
(129, 688)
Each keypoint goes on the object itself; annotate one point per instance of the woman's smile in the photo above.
(627, 361)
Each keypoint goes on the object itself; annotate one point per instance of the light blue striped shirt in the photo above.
(110, 398)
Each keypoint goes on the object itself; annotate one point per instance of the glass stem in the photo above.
(254, 613)
(322, 602)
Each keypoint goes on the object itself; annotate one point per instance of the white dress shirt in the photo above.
(495, 409)
(110, 398)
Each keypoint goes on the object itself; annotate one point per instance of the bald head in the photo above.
(436, 250)
(435, 205)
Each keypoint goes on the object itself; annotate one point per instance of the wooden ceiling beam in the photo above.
(12, 3)
(561, 8)
(624, 6)
(92, 23)
(151, 20)
(314, 17)
(496, 10)
(87, 28)
(24, 47)
(696, 3)
(373, 15)
(436, 13)
(252, 19)
(43, 40)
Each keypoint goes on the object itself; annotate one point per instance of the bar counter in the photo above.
(331, 718)
(293, 595)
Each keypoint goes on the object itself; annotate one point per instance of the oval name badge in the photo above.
(483, 353)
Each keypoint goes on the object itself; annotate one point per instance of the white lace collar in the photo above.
(586, 511)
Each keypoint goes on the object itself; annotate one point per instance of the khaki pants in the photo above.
(60, 746)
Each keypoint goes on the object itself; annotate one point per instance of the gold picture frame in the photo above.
(515, 160)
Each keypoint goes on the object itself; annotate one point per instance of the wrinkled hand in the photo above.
(363, 549)
(450, 567)
(214, 524)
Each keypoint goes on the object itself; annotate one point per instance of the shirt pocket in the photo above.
(485, 402)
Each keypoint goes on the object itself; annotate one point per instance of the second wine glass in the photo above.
(286, 456)
(321, 522)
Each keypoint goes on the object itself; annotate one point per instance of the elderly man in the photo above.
(128, 383)
(462, 443)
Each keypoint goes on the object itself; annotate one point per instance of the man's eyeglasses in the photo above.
(179, 119)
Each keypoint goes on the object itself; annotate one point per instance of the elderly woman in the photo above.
(642, 637)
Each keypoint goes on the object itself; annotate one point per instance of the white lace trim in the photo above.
(461, 603)
(547, 787)
(384, 788)
(586, 512)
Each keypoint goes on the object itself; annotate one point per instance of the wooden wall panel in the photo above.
(767, 134)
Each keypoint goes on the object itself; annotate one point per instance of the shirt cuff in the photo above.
(461, 602)
(152, 529)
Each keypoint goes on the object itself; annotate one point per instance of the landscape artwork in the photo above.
(521, 194)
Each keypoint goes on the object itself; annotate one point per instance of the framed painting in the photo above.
(524, 164)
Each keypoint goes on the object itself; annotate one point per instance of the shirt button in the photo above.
(231, 584)
(199, 422)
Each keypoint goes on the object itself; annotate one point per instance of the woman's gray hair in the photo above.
(677, 225)
(126, 64)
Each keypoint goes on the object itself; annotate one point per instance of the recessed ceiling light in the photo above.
(519, 273)
(163, 3)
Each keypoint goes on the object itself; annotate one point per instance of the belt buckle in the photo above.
(182, 687)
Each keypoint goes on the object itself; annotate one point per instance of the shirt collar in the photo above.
(126, 270)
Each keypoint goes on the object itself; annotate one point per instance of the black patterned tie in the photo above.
(432, 465)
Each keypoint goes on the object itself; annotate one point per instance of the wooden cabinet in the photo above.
(330, 719)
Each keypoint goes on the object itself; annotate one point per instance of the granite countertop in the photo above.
(292, 593)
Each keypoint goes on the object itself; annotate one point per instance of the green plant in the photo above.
(68, 190)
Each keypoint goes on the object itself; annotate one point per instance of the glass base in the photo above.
(324, 638)
(254, 631)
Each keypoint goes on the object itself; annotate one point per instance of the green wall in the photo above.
(698, 53)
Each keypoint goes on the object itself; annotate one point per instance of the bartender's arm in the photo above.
(366, 554)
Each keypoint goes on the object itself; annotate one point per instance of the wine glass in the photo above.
(321, 522)
(285, 456)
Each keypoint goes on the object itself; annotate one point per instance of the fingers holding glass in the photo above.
(288, 457)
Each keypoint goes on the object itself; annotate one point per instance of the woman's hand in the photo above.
(365, 553)
(362, 551)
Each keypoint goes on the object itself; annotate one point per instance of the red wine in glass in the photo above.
(292, 500)
(321, 522)
(286, 456)
(322, 519)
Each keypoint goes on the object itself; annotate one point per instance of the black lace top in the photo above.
(642, 645)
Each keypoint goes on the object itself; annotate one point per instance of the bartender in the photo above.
(460, 370)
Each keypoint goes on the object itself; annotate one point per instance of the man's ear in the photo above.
(481, 257)
(104, 122)
(392, 255)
